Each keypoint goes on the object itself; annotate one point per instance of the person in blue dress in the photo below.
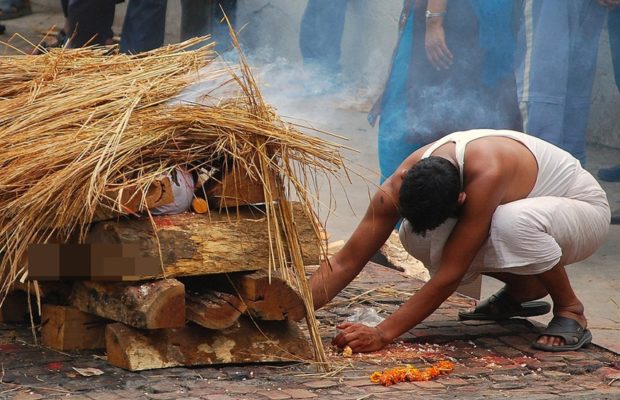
(452, 70)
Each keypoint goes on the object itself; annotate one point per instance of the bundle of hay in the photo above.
(77, 125)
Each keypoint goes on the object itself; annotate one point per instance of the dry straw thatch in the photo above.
(78, 124)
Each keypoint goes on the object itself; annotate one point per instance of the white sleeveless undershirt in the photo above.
(557, 168)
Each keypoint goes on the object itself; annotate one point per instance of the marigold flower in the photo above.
(409, 373)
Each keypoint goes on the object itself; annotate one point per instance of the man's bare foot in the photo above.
(574, 313)
(558, 341)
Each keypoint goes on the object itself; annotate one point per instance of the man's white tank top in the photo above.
(557, 169)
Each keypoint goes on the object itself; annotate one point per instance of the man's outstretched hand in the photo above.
(359, 337)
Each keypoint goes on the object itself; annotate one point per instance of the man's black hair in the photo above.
(429, 193)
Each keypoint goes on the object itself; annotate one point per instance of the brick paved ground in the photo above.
(492, 361)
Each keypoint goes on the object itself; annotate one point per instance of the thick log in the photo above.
(66, 328)
(205, 244)
(192, 345)
(269, 299)
(213, 309)
(148, 305)
(236, 189)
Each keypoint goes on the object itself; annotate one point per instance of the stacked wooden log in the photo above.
(215, 301)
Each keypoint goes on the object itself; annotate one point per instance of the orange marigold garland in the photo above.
(411, 374)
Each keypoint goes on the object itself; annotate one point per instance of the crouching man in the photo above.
(499, 203)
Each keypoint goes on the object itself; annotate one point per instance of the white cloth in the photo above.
(565, 217)
(182, 191)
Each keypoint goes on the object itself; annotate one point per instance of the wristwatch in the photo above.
(434, 14)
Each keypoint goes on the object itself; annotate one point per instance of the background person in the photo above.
(450, 56)
(556, 62)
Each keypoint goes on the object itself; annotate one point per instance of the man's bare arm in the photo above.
(485, 193)
(374, 229)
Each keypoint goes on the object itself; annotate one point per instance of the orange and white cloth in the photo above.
(182, 190)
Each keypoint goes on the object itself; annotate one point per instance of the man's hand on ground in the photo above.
(361, 338)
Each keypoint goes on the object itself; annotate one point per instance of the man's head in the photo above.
(429, 193)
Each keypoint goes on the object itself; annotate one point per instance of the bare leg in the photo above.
(565, 302)
(515, 299)
(521, 287)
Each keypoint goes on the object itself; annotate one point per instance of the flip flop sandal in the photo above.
(574, 335)
(501, 306)
(14, 9)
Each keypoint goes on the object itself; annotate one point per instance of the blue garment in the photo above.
(321, 31)
(496, 38)
(556, 61)
(90, 22)
(145, 23)
(613, 28)
(204, 17)
(393, 127)
(421, 104)
(144, 26)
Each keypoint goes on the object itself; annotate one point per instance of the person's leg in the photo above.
(220, 32)
(196, 18)
(202, 17)
(521, 288)
(586, 25)
(90, 22)
(64, 4)
(541, 67)
(144, 26)
(531, 236)
(516, 299)
(321, 30)
(565, 301)
(613, 28)
(612, 174)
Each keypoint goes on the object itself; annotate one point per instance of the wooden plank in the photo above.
(269, 299)
(236, 189)
(192, 345)
(205, 244)
(66, 328)
(149, 305)
(213, 309)
(15, 308)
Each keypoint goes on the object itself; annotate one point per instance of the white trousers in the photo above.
(528, 236)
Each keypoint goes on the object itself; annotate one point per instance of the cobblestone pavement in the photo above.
(493, 360)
